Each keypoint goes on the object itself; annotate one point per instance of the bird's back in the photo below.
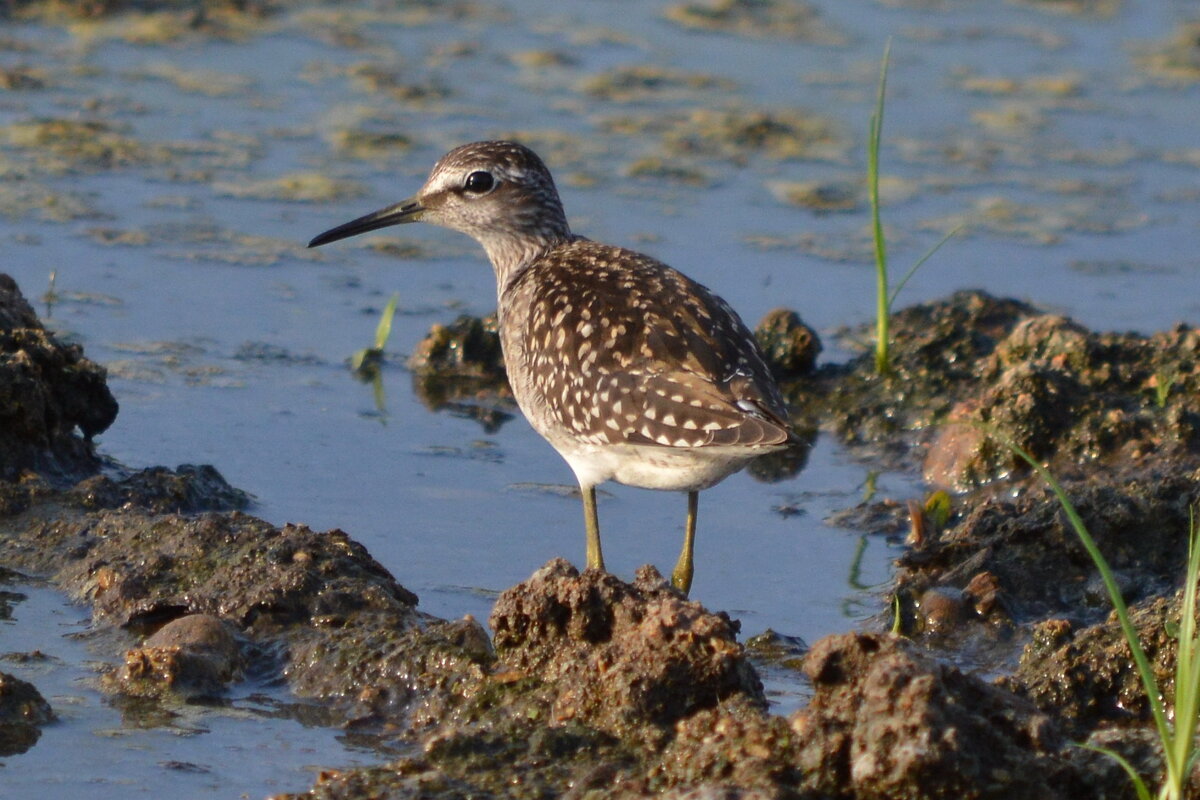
(611, 347)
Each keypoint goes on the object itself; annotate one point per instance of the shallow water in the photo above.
(1073, 168)
(186, 751)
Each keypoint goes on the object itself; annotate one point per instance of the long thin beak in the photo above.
(405, 211)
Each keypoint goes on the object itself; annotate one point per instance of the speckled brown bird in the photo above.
(631, 370)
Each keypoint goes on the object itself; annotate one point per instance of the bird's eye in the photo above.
(479, 182)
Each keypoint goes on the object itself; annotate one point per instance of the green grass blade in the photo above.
(384, 330)
(1181, 750)
(882, 302)
(896, 289)
(1139, 785)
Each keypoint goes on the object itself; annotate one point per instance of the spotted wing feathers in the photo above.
(622, 349)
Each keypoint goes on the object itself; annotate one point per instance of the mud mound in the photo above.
(48, 390)
(620, 654)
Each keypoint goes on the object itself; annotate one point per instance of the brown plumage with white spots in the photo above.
(630, 369)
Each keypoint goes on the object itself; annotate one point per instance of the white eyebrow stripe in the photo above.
(445, 181)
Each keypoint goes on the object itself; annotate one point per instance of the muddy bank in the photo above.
(591, 686)
(995, 577)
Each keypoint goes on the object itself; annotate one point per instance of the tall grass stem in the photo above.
(882, 298)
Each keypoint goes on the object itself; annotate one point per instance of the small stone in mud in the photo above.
(985, 595)
(939, 611)
(23, 711)
(193, 656)
(790, 347)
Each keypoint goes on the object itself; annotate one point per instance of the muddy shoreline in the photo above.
(591, 686)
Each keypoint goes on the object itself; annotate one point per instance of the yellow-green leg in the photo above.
(591, 522)
(681, 578)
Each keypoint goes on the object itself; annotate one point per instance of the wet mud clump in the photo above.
(1085, 674)
(620, 655)
(886, 718)
(1068, 395)
(1072, 397)
(591, 675)
(23, 711)
(48, 391)
(789, 346)
(460, 368)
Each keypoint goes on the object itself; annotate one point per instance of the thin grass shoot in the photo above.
(365, 363)
(885, 293)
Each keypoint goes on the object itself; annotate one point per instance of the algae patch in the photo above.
(299, 187)
(787, 19)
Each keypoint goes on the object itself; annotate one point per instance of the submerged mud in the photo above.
(592, 686)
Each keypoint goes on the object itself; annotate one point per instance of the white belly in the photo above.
(669, 468)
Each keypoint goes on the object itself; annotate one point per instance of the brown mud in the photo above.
(590, 686)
